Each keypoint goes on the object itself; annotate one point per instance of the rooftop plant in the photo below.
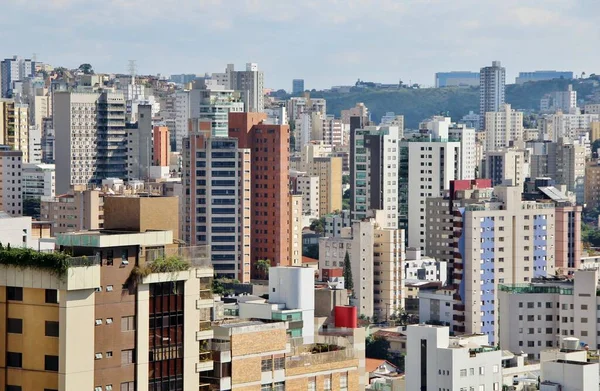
(56, 263)
(172, 264)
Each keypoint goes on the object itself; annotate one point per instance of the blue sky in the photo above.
(326, 42)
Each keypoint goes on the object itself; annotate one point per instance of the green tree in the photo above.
(318, 225)
(86, 69)
(378, 347)
(31, 207)
(348, 282)
(262, 267)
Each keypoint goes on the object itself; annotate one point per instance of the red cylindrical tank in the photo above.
(346, 316)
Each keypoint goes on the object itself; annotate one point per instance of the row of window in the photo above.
(127, 322)
(15, 293)
(127, 356)
(15, 326)
(15, 360)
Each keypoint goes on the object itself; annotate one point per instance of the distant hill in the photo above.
(418, 104)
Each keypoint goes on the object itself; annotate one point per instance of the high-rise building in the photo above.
(75, 211)
(249, 83)
(427, 165)
(213, 102)
(456, 79)
(374, 172)
(160, 135)
(269, 161)
(13, 70)
(296, 229)
(565, 101)
(99, 325)
(38, 181)
(592, 185)
(297, 86)
(502, 127)
(11, 191)
(140, 145)
(491, 90)
(469, 164)
(507, 165)
(501, 241)
(91, 139)
(14, 126)
(553, 127)
(182, 116)
(217, 185)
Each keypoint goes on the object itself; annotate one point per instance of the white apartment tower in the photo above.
(374, 172)
(427, 165)
(11, 190)
(91, 139)
(213, 102)
(249, 83)
(13, 70)
(502, 127)
(491, 90)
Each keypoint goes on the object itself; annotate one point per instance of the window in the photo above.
(51, 363)
(495, 369)
(279, 386)
(327, 383)
(584, 320)
(312, 384)
(14, 359)
(51, 329)
(13, 388)
(109, 257)
(51, 296)
(127, 356)
(108, 387)
(279, 363)
(266, 387)
(496, 386)
(14, 293)
(109, 354)
(471, 371)
(481, 387)
(266, 364)
(128, 323)
(127, 386)
(463, 373)
(482, 370)
(14, 326)
(344, 381)
(109, 320)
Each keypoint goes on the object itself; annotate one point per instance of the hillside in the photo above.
(418, 104)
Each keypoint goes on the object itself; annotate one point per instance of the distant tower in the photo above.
(132, 70)
(491, 90)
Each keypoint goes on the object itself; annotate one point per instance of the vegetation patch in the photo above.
(56, 263)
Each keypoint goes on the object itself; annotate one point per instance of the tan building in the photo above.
(592, 185)
(14, 126)
(76, 211)
(253, 355)
(594, 131)
(114, 319)
(296, 230)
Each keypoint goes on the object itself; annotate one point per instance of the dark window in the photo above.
(51, 329)
(14, 293)
(13, 388)
(423, 364)
(109, 257)
(51, 296)
(14, 360)
(14, 325)
(51, 363)
(124, 255)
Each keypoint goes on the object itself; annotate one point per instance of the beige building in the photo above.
(502, 127)
(75, 211)
(592, 185)
(296, 230)
(14, 126)
(253, 355)
(594, 131)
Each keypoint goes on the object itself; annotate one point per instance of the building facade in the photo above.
(492, 80)
(11, 191)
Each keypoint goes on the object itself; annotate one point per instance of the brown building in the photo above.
(270, 154)
(161, 146)
(118, 317)
(567, 231)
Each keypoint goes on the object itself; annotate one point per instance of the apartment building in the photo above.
(436, 361)
(99, 324)
(592, 184)
(507, 166)
(572, 126)
(489, 252)
(308, 187)
(11, 186)
(160, 135)
(13, 70)
(427, 165)
(140, 145)
(74, 211)
(492, 80)
(544, 312)
(217, 178)
(503, 127)
(269, 166)
(376, 254)
(296, 225)
(39, 180)
(374, 171)
(91, 139)
(250, 84)
(14, 126)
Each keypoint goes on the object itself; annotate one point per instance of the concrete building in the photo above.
(376, 255)
(503, 127)
(507, 165)
(427, 165)
(14, 70)
(182, 116)
(492, 80)
(436, 306)
(565, 101)
(525, 77)
(95, 312)
(296, 225)
(140, 145)
(456, 79)
(335, 223)
(592, 185)
(74, 211)
(489, 252)
(436, 361)
(469, 164)
(592, 108)
(14, 126)
(269, 161)
(211, 101)
(553, 127)
(308, 187)
(11, 191)
(161, 149)
(374, 169)
(39, 180)
(91, 139)
(217, 180)
(420, 267)
(15, 230)
(250, 84)
(546, 312)
(297, 86)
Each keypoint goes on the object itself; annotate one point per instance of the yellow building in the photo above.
(594, 131)
(14, 126)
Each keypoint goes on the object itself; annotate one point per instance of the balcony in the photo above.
(204, 330)
(309, 358)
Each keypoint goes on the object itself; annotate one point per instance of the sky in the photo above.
(324, 42)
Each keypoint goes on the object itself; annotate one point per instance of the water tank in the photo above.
(346, 316)
(571, 343)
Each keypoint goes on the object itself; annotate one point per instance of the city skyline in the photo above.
(107, 36)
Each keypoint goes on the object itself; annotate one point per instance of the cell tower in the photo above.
(132, 70)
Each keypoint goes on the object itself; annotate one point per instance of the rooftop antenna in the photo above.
(132, 70)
